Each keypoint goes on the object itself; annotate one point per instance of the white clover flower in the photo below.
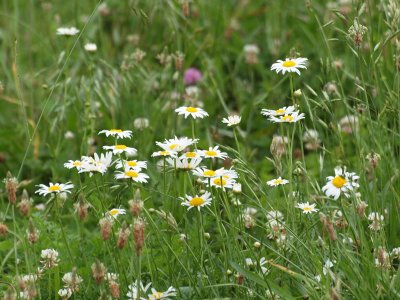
(195, 112)
(290, 65)
(54, 188)
(90, 47)
(50, 258)
(67, 31)
(141, 123)
(232, 120)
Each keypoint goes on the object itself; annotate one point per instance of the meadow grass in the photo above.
(314, 237)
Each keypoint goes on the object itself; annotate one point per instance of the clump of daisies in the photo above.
(290, 65)
(342, 183)
(283, 115)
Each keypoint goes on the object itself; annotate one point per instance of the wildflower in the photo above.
(195, 112)
(328, 226)
(343, 182)
(190, 155)
(349, 124)
(237, 188)
(373, 159)
(297, 93)
(376, 221)
(327, 266)
(192, 93)
(98, 164)
(69, 135)
(251, 54)
(213, 153)
(257, 245)
(164, 153)
(54, 188)
(232, 120)
(81, 208)
(65, 293)
(395, 253)
(105, 227)
(25, 204)
(357, 31)
(196, 201)
(133, 174)
(361, 208)
(32, 233)
(72, 281)
(251, 263)
(98, 271)
(192, 76)
(123, 235)
(177, 144)
(311, 139)
(138, 235)
(221, 182)
(67, 31)
(155, 295)
(288, 118)
(278, 145)
(141, 123)
(118, 133)
(183, 163)
(3, 229)
(115, 212)
(118, 149)
(382, 259)
(133, 290)
(71, 164)
(290, 65)
(135, 207)
(307, 207)
(131, 164)
(279, 112)
(50, 258)
(208, 173)
(11, 188)
(278, 181)
(90, 47)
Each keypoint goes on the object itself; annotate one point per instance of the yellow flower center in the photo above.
(338, 181)
(307, 208)
(164, 153)
(280, 111)
(173, 146)
(287, 118)
(219, 182)
(289, 64)
(76, 163)
(131, 163)
(211, 153)
(191, 109)
(131, 174)
(120, 147)
(191, 154)
(209, 173)
(157, 295)
(113, 212)
(278, 181)
(196, 201)
(54, 188)
(116, 130)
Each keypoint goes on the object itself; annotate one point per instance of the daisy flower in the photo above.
(287, 118)
(118, 133)
(164, 153)
(278, 181)
(54, 188)
(232, 120)
(183, 163)
(155, 295)
(136, 164)
(195, 112)
(73, 164)
(213, 153)
(279, 112)
(196, 201)
(177, 144)
(118, 149)
(190, 154)
(133, 174)
(251, 263)
(98, 164)
(208, 173)
(290, 65)
(307, 207)
(342, 182)
(221, 182)
(115, 212)
(67, 31)
(133, 290)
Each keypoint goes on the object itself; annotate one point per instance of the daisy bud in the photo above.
(141, 123)
(69, 135)
(257, 245)
(25, 204)
(123, 235)
(98, 271)
(298, 93)
(207, 236)
(11, 188)
(138, 235)
(81, 207)
(361, 208)
(32, 233)
(183, 237)
(228, 272)
(105, 228)
(3, 229)
(328, 226)
(114, 289)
